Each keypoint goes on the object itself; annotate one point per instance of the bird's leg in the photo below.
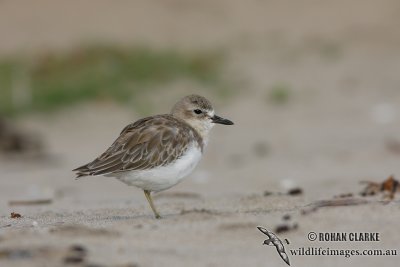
(148, 196)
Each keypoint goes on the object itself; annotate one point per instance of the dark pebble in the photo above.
(295, 191)
(282, 228)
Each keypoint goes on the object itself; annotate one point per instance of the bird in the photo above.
(157, 152)
(273, 240)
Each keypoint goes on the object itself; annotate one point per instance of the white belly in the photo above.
(164, 177)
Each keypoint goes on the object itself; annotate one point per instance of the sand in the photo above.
(340, 61)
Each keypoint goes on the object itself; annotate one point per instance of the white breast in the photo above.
(164, 177)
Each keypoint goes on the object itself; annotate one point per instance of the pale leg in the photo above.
(148, 196)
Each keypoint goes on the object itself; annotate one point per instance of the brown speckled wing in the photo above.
(145, 144)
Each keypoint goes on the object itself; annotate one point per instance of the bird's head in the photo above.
(198, 112)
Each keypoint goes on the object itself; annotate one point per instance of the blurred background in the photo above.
(312, 86)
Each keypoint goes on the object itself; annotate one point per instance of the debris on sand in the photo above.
(281, 228)
(286, 225)
(15, 215)
(29, 202)
(390, 185)
(295, 191)
(337, 202)
(344, 195)
(16, 141)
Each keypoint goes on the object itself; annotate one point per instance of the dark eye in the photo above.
(198, 111)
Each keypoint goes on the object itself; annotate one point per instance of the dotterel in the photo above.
(157, 152)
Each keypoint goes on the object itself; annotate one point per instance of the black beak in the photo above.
(219, 120)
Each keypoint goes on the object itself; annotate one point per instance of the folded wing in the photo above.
(147, 143)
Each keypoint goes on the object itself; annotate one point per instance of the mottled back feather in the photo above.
(147, 143)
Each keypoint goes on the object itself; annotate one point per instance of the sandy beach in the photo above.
(339, 126)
